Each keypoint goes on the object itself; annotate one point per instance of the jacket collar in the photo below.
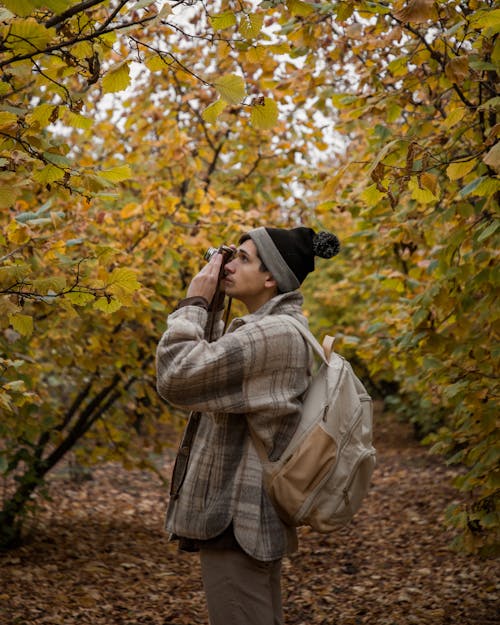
(283, 304)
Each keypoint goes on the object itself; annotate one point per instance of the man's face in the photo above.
(244, 279)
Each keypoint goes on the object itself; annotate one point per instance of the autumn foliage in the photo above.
(135, 134)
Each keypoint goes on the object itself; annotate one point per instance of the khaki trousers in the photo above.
(239, 589)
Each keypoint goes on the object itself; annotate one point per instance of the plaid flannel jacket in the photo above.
(259, 370)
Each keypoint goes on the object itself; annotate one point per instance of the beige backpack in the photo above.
(325, 471)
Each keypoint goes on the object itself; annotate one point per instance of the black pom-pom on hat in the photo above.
(325, 244)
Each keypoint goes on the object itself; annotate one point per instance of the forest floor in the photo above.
(98, 555)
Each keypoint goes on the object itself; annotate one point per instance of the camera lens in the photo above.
(210, 252)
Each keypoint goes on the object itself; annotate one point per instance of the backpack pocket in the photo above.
(298, 477)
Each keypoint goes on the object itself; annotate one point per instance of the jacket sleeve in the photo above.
(260, 365)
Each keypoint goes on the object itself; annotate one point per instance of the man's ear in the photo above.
(270, 282)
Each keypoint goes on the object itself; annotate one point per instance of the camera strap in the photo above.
(184, 451)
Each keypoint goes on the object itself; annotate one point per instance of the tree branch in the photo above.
(70, 42)
(56, 20)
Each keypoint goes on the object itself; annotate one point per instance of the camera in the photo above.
(227, 253)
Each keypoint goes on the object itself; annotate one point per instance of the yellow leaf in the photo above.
(53, 283)
(79, 298)
(7, 119)
(23, 8)
(455, 116)
(130, 210)
(264, 115)
(21, 323)
(422, 195)
(460, 169)
(124, 278)
(44, 114)
(488, 187)
(250, 25)
(166, 10)
(107, 306)
(157, 63)
(212, 112)
(223, 20)
(7, 196)
(371, 195)
(17, 386)
(487, 19)
(492, 158)
(231, 88)
(117, 79)
(26, 35)
(75, 120)
(116, 174)
(50, 173)
(82, 49)
(256, 54)
(299, 8)
(17, 233)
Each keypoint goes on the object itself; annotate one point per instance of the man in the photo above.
(254, 376)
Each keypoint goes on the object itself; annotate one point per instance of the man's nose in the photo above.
(228, 267)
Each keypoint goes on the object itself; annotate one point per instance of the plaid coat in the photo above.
(258, 371)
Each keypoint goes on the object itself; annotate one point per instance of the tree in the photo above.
(420, 264)
(88, 274)
(374, 119)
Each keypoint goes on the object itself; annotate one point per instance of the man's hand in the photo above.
(204, 284)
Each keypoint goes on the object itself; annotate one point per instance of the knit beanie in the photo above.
(289, 254)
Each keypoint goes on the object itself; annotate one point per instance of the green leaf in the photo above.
(212, 112)
(487, 232)
(116, 174)
(117, 79)
(231, 88)
(264, 115)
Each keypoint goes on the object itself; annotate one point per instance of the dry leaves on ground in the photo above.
(98, 555)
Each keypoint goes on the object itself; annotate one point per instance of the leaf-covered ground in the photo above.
(98, 555)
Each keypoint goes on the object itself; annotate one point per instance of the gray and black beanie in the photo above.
(289, 254)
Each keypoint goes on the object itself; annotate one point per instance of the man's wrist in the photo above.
(195, 300)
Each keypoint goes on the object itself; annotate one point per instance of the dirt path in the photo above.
(99, 556)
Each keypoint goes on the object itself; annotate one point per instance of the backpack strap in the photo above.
(323, 352)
